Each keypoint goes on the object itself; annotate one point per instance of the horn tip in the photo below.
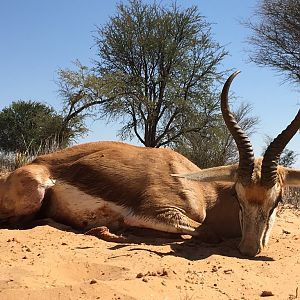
(236, 73)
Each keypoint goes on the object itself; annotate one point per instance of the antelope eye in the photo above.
(279, 199)
(234, 193)
(235, 196)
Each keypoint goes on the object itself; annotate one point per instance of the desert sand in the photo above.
(49, 263)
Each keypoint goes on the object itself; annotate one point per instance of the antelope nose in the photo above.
(250, 251)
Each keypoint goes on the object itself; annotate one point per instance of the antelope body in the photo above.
(111, 183)
(108, 183)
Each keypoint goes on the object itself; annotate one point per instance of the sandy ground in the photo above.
(47, 263)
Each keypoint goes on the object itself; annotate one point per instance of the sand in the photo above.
(48, 263)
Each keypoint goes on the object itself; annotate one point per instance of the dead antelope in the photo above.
(112, 184)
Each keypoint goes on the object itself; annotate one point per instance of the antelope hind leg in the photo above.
(23, 193)
(103, 233)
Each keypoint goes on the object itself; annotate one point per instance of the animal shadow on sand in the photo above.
(180, 246)
(194, 249)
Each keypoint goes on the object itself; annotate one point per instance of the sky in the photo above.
(37, 38)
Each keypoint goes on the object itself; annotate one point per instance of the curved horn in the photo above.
(272, 154)
(246, 155)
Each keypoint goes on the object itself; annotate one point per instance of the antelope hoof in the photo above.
(103, 233)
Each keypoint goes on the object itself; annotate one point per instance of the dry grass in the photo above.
(13, 160)
(292, 196)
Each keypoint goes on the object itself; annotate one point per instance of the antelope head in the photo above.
(258, 183)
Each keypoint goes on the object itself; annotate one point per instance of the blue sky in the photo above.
(39, 37)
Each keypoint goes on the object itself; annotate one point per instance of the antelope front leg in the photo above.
(173, 220)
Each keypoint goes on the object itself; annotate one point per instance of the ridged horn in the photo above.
(246, 155)
(274, 150)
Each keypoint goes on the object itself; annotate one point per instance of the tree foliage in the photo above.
(83, 93)
(29, 126)
(215, 146)
(287, 158)
(156, 70)
(276, 37)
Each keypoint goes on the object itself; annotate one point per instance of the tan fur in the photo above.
(111, 184)
(107, 183)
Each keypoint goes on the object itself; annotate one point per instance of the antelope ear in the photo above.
(292, 177)
(223, 173)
